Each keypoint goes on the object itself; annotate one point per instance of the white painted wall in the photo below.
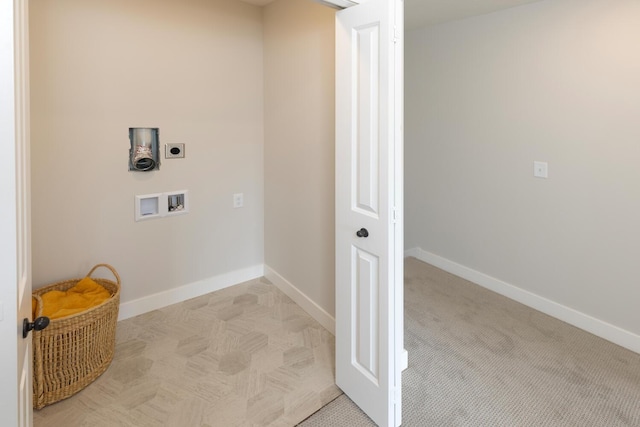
(299, 151)
(556, 81)
(193, 68)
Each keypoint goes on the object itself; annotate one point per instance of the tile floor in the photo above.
(243, 356)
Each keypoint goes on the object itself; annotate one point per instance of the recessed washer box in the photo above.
(159, 205)
(174, 151)
(177, 202)
(148, 206)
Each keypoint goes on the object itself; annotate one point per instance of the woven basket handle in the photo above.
(113, 270)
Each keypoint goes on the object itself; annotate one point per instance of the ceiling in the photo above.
(420, 13)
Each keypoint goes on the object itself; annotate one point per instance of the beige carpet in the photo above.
(243, 356)
(479, 359)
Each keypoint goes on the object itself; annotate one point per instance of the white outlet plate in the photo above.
(540, 169)
(174, 151)
(238, 200)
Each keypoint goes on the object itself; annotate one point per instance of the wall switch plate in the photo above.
(174, 151)
(541, 169)
(238, 200)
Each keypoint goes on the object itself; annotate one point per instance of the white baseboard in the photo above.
(191, 290)
(574, 317)
(413, 252)
(299, 297)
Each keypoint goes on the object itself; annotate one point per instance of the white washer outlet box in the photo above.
(160, 205)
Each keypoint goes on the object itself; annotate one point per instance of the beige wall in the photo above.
(299, 146)
(193, 68)
(556, 81)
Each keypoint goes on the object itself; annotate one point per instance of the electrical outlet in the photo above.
(541, 169)
(238, 200)
(174, 151)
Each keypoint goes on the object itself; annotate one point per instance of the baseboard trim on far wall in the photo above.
(191, 290)
(300, 298)
(574, 317)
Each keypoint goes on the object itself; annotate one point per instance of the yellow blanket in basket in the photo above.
(87, 293)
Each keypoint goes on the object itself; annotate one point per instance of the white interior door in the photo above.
(369, 269)
(15, 292)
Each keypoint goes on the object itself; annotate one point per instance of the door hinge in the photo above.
(395, 215)
(395, 34)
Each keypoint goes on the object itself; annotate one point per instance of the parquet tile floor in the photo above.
(243, 356)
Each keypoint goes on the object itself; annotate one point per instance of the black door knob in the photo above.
(37, 325)
(362, 233)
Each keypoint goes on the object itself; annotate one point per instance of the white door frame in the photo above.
(15, 274)
(8, 275)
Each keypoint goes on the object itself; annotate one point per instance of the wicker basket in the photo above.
(73, 351)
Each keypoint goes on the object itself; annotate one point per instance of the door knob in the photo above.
(362, 233)
(37, 325)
